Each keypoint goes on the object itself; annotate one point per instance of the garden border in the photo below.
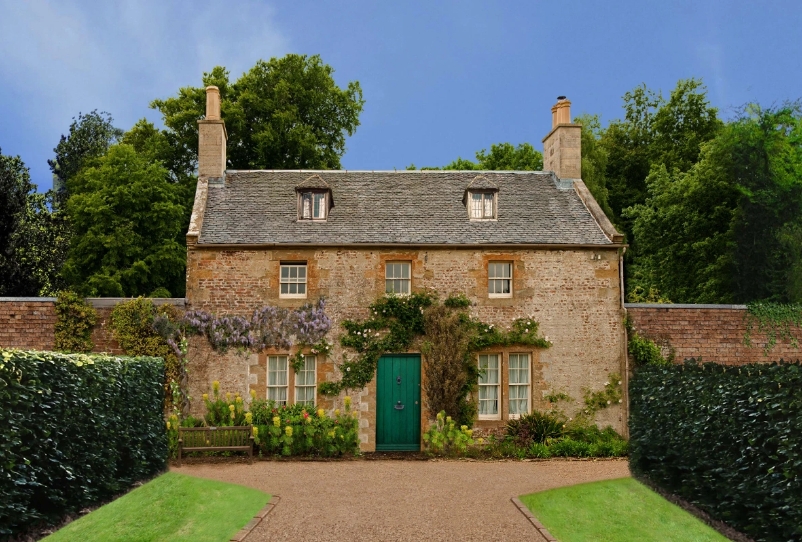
(243, 533)
(547, 536)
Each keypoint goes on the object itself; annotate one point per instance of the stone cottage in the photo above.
(516, 243)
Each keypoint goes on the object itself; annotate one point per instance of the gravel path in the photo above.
(402, 500)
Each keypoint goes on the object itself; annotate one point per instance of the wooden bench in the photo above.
(215, 439)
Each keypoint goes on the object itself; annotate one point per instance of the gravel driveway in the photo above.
(396, 500)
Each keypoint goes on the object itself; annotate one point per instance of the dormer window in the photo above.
(313, 205)
(482, 205)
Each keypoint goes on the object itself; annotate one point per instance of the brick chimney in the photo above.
(562, 151)
(211, 163)
(212, 138)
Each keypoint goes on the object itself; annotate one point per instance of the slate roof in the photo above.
(389, 207)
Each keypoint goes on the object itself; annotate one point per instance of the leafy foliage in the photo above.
(450, 371)
(502, 156)
(127, 220)
(773, 319)
(135, 326)
(75, 319)
(724, 438)
(284, 113)
(444, 437)
(77, 429)
(536, 427)
(396, 322)
(299, 430)
(727, 229)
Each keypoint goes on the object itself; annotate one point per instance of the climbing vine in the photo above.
(775, 320)
(396, 322)
(75, 319)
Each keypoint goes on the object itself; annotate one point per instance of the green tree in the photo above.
(729, 229)
(90, 136)
(285, 113)
(15, 189)
(655, 132)
(502, 157)
(127, 217)
(594, 161)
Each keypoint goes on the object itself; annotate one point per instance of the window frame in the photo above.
(510, 385)
(387, 279)
(281, 280)
(498, 385)
(492, 279)
(307, 358)
(492, 195)
(324, 208)
(286, 384)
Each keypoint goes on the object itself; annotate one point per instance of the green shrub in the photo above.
(444, 436)
(76, 429)
(75, 319)
(644, 351)
(300, 430)
(132, 323)
(535, 427)
(728, 439)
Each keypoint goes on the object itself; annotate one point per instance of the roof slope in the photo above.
(388, 207)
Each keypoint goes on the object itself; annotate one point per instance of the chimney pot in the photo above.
(212, 103)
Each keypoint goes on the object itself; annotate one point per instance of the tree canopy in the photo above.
(502, 156)
(128, 219)
(284, 113)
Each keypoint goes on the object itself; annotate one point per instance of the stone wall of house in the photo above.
(573, 294)
(29, 322)
(713, 332)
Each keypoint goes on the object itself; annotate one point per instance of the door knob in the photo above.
(399, 406)
(398, 380)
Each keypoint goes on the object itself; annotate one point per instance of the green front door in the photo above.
(398, 402)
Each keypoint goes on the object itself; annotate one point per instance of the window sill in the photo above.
(495, 418)
(292, 296)
(499, 296)
(483, 219)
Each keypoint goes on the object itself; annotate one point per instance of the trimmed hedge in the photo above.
(728, 439)
(75, 429)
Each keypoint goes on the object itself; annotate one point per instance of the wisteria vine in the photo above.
(267, 327)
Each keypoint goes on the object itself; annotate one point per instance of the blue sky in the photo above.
(440, 79)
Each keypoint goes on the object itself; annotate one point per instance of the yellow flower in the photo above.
(320, 413)
(255, 431)
(228, 396)
(337, 412)
(232, 415)
(231, 408)
(276, 421)
(168, 426)
(216, 386)
(239, 399)
(208, 443)
(448, 419)
(347, 402)
(331, 434)
(205, 396)
(288, 430)
(469, 432)
(253, 394)
(481, 440)
(440, 415)
(248, 418)
(463, 427)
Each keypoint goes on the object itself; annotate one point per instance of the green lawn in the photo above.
(171, 507)
(619, 510)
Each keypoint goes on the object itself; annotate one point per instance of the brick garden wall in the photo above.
(713, 332)
(28, 322)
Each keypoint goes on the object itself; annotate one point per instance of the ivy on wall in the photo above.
(775, 320)
(75, 319)
(396, 322)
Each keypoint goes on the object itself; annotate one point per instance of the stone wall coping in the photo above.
(681, 306)
(98, 302)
